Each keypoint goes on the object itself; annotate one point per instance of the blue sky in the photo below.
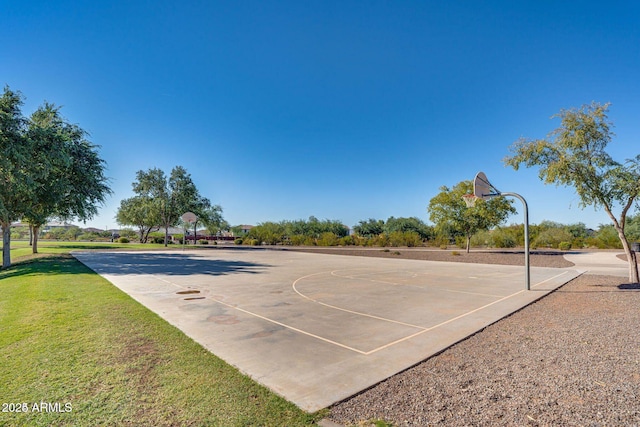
(343, 110)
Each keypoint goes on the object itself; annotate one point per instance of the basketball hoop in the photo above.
(470, 200)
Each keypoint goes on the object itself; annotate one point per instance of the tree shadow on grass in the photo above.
(118, 263)
(171, 264)
(42, 264)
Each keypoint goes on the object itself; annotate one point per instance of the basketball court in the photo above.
(319, 328)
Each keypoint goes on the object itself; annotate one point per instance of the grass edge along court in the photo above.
(75, 350)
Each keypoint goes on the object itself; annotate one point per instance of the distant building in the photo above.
(56, 224)
(93, 230)
(244, 229)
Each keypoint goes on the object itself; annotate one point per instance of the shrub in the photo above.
(578, 242)
(551, 238)
(564, 246)
(481, 238)
(346, 241)
(607, 237)
(238, 241)
(328, 239)
(123, 240)
(381, 240)
(298, 239)
(359, 240)
(203, 241)
(441, 241)
(125, 232)
(412, 239)
(19, 233)
(461, 242)
(501, 239)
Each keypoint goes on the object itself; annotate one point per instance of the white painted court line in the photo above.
(295, 282)
(421, 329)
(550, 278)
(235, 307)
(362, 276)
(287, 326)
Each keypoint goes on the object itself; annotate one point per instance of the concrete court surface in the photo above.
(599, 263)
(319, 328)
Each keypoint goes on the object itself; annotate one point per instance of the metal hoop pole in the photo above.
(526, 237)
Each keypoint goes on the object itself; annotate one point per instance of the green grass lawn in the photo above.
(75, 345)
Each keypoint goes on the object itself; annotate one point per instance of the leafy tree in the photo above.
(72, 233)
(552, 237)
(68, 174)
(369, 228)
(47, 168)
(213, 220)
(14, 161)
(268, 232)
(140, 212)
(574, 155)
(314, 227)
(450, 214)
(171, 196)
(408, 224)
(578, 230)
(606, 237)
(632, 228)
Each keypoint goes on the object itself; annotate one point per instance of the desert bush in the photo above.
(359, 240)
(441, 240)
(19, 233)
(579, 242)
(409, 224)
(346, 241)
(411, 239)
(481, 238)
(88, 237)
(298, 240)
(606, 238)
(238, 241)
(564, 246)
(381, 240)
(328, 239)
(203, 241)
(551, 238)
(125, 232)
(396, 238)
(123, 240)
(502, 239)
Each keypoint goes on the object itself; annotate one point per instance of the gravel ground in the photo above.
(572, 358)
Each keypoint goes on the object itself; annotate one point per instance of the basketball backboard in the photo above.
(482, 188)
(189, 217)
